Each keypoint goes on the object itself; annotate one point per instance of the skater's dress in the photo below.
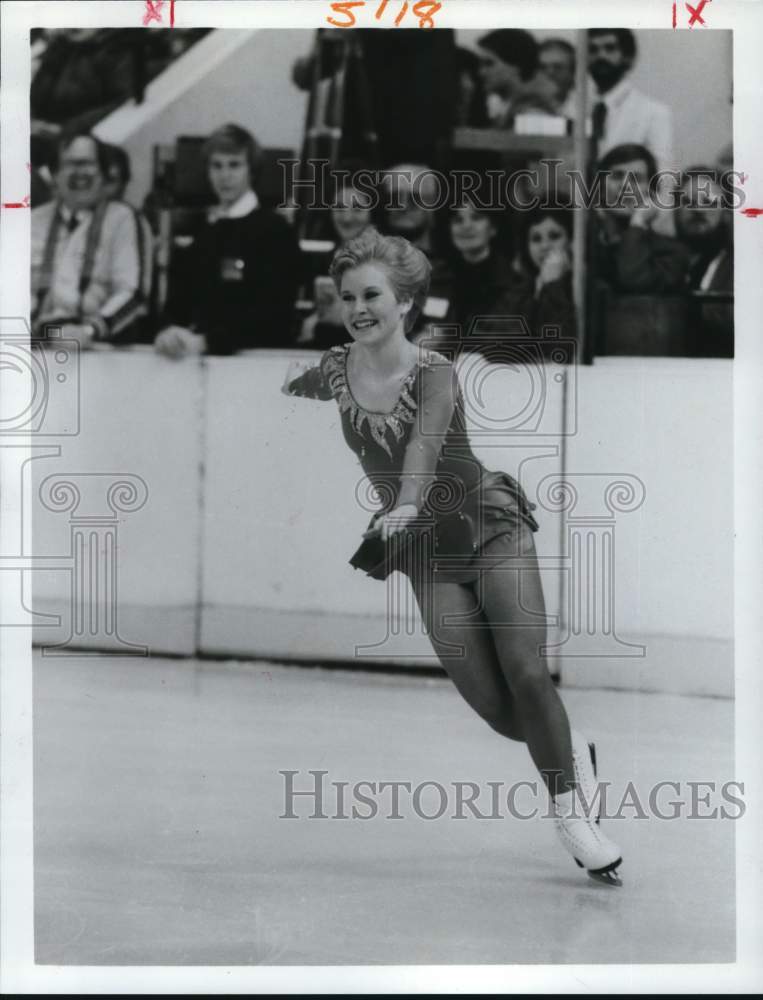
(419, 453)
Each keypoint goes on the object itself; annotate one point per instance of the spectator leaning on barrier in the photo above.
(630, 255)
(239, 285)
(620, 112)
(89, 270)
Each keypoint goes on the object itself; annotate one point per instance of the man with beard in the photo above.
(90, 267)
(704, 226)
(621, 113)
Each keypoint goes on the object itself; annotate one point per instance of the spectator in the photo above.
(471, 108)
(481, 275)
(118, 176)
(238, 286)
(542, 294)
(508, 67)
(89, 274)
(556, 59)
(349, 217)
(631, 256)
(705, 227)
(410, 195)
(621, 113)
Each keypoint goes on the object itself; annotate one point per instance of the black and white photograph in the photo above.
(380, 449)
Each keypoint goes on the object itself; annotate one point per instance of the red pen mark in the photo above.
(752, 213)
(172, 13)
(17, 204)
(153, 12)
(696, 12)
(380, 9)
(674, 17)
(402, 13)
(345, 8)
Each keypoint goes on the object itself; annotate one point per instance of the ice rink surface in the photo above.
(158, 839)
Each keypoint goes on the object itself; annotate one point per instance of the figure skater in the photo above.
(461, 533)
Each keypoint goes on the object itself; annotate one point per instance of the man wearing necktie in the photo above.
(90, 272)
(620, 113)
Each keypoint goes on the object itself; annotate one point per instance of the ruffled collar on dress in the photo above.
(402, 413)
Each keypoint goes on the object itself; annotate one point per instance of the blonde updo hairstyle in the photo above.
(407, 267)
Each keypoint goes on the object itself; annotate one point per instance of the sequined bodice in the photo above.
(380, 440)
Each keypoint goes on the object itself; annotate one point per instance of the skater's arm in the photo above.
(437, 400)
(306, 380)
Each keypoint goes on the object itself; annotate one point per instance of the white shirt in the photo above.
(241, 206)
(632, 117)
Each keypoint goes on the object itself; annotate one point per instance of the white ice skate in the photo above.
(577, 823)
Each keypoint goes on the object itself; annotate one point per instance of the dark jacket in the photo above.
(550, 315)
(237, 283)
(641, 260)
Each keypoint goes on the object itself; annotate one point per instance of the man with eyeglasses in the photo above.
(90, 272)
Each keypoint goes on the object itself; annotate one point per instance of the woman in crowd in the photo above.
(480, 276)
(542, 292)
(462, 534)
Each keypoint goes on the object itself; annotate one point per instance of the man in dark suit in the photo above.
(238, 284)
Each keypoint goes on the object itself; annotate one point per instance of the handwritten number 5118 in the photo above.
(424, 10)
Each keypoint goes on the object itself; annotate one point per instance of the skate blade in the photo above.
(607, 876)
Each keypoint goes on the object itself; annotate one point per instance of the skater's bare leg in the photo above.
(476, 672)
(512, 602)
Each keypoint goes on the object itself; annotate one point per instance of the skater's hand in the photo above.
(396, 520)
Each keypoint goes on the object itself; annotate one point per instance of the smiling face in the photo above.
(545, 236)
(229, 176)
(371, 311)
(471, 232)
(79, 180)
(351, 214)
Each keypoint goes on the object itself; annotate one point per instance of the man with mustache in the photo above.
(91, 269)
(621, 114)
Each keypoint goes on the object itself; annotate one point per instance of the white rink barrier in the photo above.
(237, 514)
